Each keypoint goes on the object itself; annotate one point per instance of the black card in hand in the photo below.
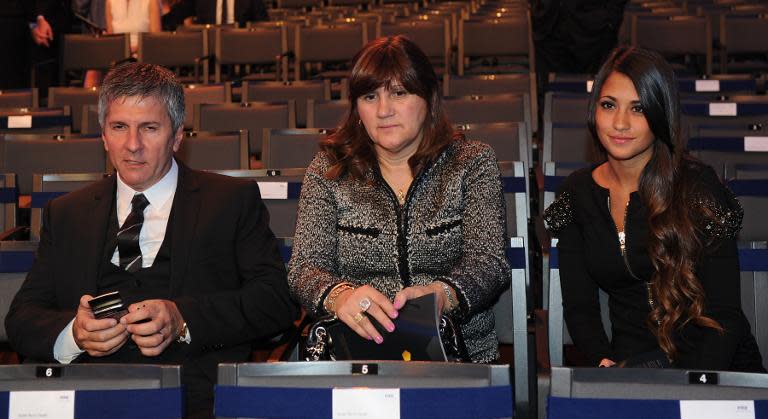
(416, 336)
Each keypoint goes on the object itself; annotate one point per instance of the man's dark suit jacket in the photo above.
(227, 276)
(245, 11)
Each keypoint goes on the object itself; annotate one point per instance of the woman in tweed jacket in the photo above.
(396, 206)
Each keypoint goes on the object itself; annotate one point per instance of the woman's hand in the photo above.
(417, 291)
(606, 363)
(351, 309)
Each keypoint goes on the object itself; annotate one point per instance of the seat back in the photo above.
(490, 108)
(753, 266)
(215, 150)
(280, 191)
(474, 37)
(508, 139)
(674, 35)
(568, 142)
(8, 201)
(75, 98)
(15, 261)
(203, 93)
(52, 185)
(719, 152)
(300, 91)
(432, 36)
(35, 121)
(254, 45)
(327, 43)
(19, 98)
(489, 84)
(83, 52)
(175, 49)
(290, 148)
(253, 116)
(270, 389)
(753, 196)
(26, 155)
(326, 113)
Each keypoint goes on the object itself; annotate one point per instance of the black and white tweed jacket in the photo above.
(451, 228)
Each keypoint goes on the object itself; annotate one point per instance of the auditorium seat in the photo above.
(508, 139)
(290, 148)
(326, 113)
(35, 121)
(88, 52)
(253, 116)
(568, 142)
(265, 46)
(8, 204)
(742, 42)
(75, 98)
(489, 84)
(675, 36)
(300, 91)
(506, 45)
(215, 150)
(753, 267)
(26, 155)
(721, 151)
(47, 185)
(425, 389)
(15, 260)
(606, 393)
(280, 192)
(19, 98)
(183, 49)
(433, 36)
(490, 108)
(203, 93)
(327, 44)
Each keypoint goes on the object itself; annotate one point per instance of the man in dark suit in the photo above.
(191, 253)
(230, 11)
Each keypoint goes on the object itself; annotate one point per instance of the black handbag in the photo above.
(320, 345)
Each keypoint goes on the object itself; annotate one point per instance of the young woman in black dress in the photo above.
(655, 229)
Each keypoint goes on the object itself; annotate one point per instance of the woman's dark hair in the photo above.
(385, 62)
(673, 243)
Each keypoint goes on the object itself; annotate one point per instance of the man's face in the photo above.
(139, 139)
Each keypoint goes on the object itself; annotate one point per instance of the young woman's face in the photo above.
(393, 118)
(620, 122)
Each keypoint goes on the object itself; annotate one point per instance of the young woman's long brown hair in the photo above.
(674, 243)
(385, 62)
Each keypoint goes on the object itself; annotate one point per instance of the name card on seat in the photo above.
(19, 121)
(273, 190)
(722, 109)
(717, 409)
(41, 404)
(756, 143)
(707, 85)
(369, 403)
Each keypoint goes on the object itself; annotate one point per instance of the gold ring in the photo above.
(358, 317)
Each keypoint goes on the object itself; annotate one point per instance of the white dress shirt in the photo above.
(230, 18)
(156, 214)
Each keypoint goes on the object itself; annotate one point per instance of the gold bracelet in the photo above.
(329, 305)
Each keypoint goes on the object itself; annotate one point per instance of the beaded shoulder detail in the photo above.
(558, 215)
(720, 220)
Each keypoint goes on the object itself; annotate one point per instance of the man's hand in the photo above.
(98, 337)
(42, 33)
(153, 324)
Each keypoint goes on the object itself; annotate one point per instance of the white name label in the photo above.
(20, 121)
(41, 405)
(590, 83)
(722, 109)
(755, 143)
(717, 409)
(273, 190)
(367, 403)
(707, 85)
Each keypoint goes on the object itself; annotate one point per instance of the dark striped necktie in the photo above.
(128, 235)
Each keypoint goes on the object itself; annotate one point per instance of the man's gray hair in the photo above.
(143, 80)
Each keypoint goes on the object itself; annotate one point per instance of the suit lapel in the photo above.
(186, 205)
(95, 230)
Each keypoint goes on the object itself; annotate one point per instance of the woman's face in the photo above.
(394, 119)
(621, 125)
